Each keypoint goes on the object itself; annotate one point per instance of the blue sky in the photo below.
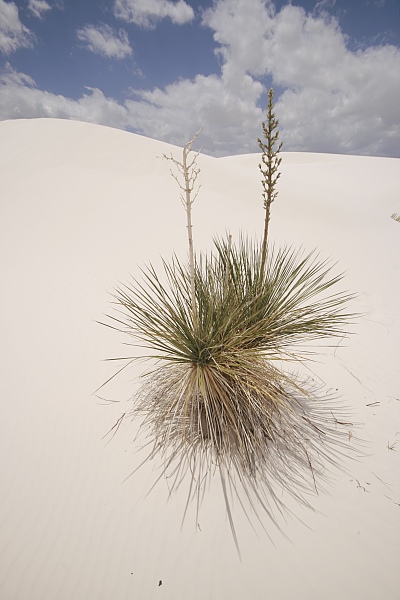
(163, 68)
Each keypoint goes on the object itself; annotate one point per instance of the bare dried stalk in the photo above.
(189, 171)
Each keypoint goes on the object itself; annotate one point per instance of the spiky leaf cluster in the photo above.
(216, 398)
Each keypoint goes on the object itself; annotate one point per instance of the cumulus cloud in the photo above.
(358, 115)
(38, 7)
(147, 13)
(21, 99)
(13, 34)
(244, 51)
(104, 40)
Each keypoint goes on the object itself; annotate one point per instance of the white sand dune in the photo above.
(84, 206)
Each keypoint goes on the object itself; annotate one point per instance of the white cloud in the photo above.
(240, 29)
(38, 7)
(360, 115)
(323, 5)
(13, 34)
(103, 40)
(22, 100)
(146, 13)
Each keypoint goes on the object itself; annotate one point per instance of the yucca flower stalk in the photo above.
(269, 167)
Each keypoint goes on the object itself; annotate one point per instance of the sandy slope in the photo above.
(82, 206)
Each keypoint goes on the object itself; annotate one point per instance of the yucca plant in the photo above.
(216, 397)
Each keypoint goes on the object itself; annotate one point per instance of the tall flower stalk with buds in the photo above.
(270, 148)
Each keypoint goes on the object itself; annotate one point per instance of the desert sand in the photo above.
(83, 207)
